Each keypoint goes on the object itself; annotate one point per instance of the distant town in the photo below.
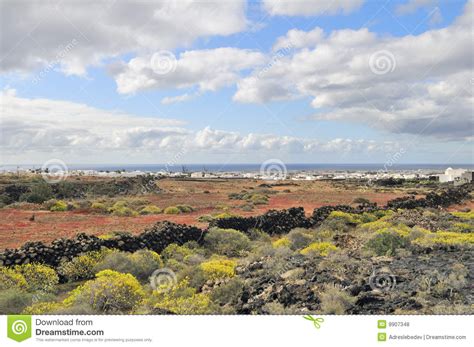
(458, 176)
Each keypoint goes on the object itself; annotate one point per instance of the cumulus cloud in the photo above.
(34, 33)
(42, 126)
(310, 7)
(412, 84)
(298, 39)
(209, 70)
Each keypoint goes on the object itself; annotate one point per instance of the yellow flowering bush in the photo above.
(42, 308)
(464, 215)
(319, 248)
(446, 238)
(151, 209)
(219, 268)
(182, 299)
(58, 206)
(283, 242)
(38, 276)
(349, 218)
(111, 291)
(11, 279)
(81, 267)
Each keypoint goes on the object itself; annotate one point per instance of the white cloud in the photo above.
(310, 7)
(35, 32)
(179, 98)
(423, 88)
(209, 70)
(411, 6)
(298, 39)
(43, 128)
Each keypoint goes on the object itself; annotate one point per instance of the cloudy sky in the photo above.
(341, 81)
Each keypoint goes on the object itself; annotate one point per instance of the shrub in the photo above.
(227, 242)
(11, 279)
(386, 243)
(283, 242)
(172, 210)
(176, 252)
(335, 301)
(39, 193)
(299, 238)
(184, 208)
(140, 264)
(38, 277)
(229, 292)
(124, 212)
(375, 225)
(59, 206)
(182, 299)
(219, 268)
(445, 238)
(42, 308)
(259, 199)
(463, 228)
(99, 207)
(348, 218)
(110, 292)
(82, 267)
(151, 209)
(464, 215)
(319, 248)
(13, 301)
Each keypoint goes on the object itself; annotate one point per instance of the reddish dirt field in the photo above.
(204, 196)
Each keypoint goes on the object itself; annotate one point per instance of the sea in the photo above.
(293, 167)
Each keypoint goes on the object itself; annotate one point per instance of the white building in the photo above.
(451, 175)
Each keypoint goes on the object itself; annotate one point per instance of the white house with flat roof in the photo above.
(451, 175)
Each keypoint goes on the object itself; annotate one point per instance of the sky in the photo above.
(143, 82)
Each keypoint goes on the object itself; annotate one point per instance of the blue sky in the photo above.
(316, 100)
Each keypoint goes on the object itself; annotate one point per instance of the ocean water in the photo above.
(247, 167)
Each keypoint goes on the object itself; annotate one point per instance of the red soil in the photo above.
(16, 228)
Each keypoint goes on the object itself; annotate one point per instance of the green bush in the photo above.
(59, 206)
(13, 301)
(386, 243)
(82, 267)
(140, 264)
(99, 207)
(335, 301)
(110, 292)
(124, 212)
(38, 277)
(184, 208)
(228, 242)
(228, 293)
(39, 193)
(151, 209)
(172, 210)
(300, 238)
